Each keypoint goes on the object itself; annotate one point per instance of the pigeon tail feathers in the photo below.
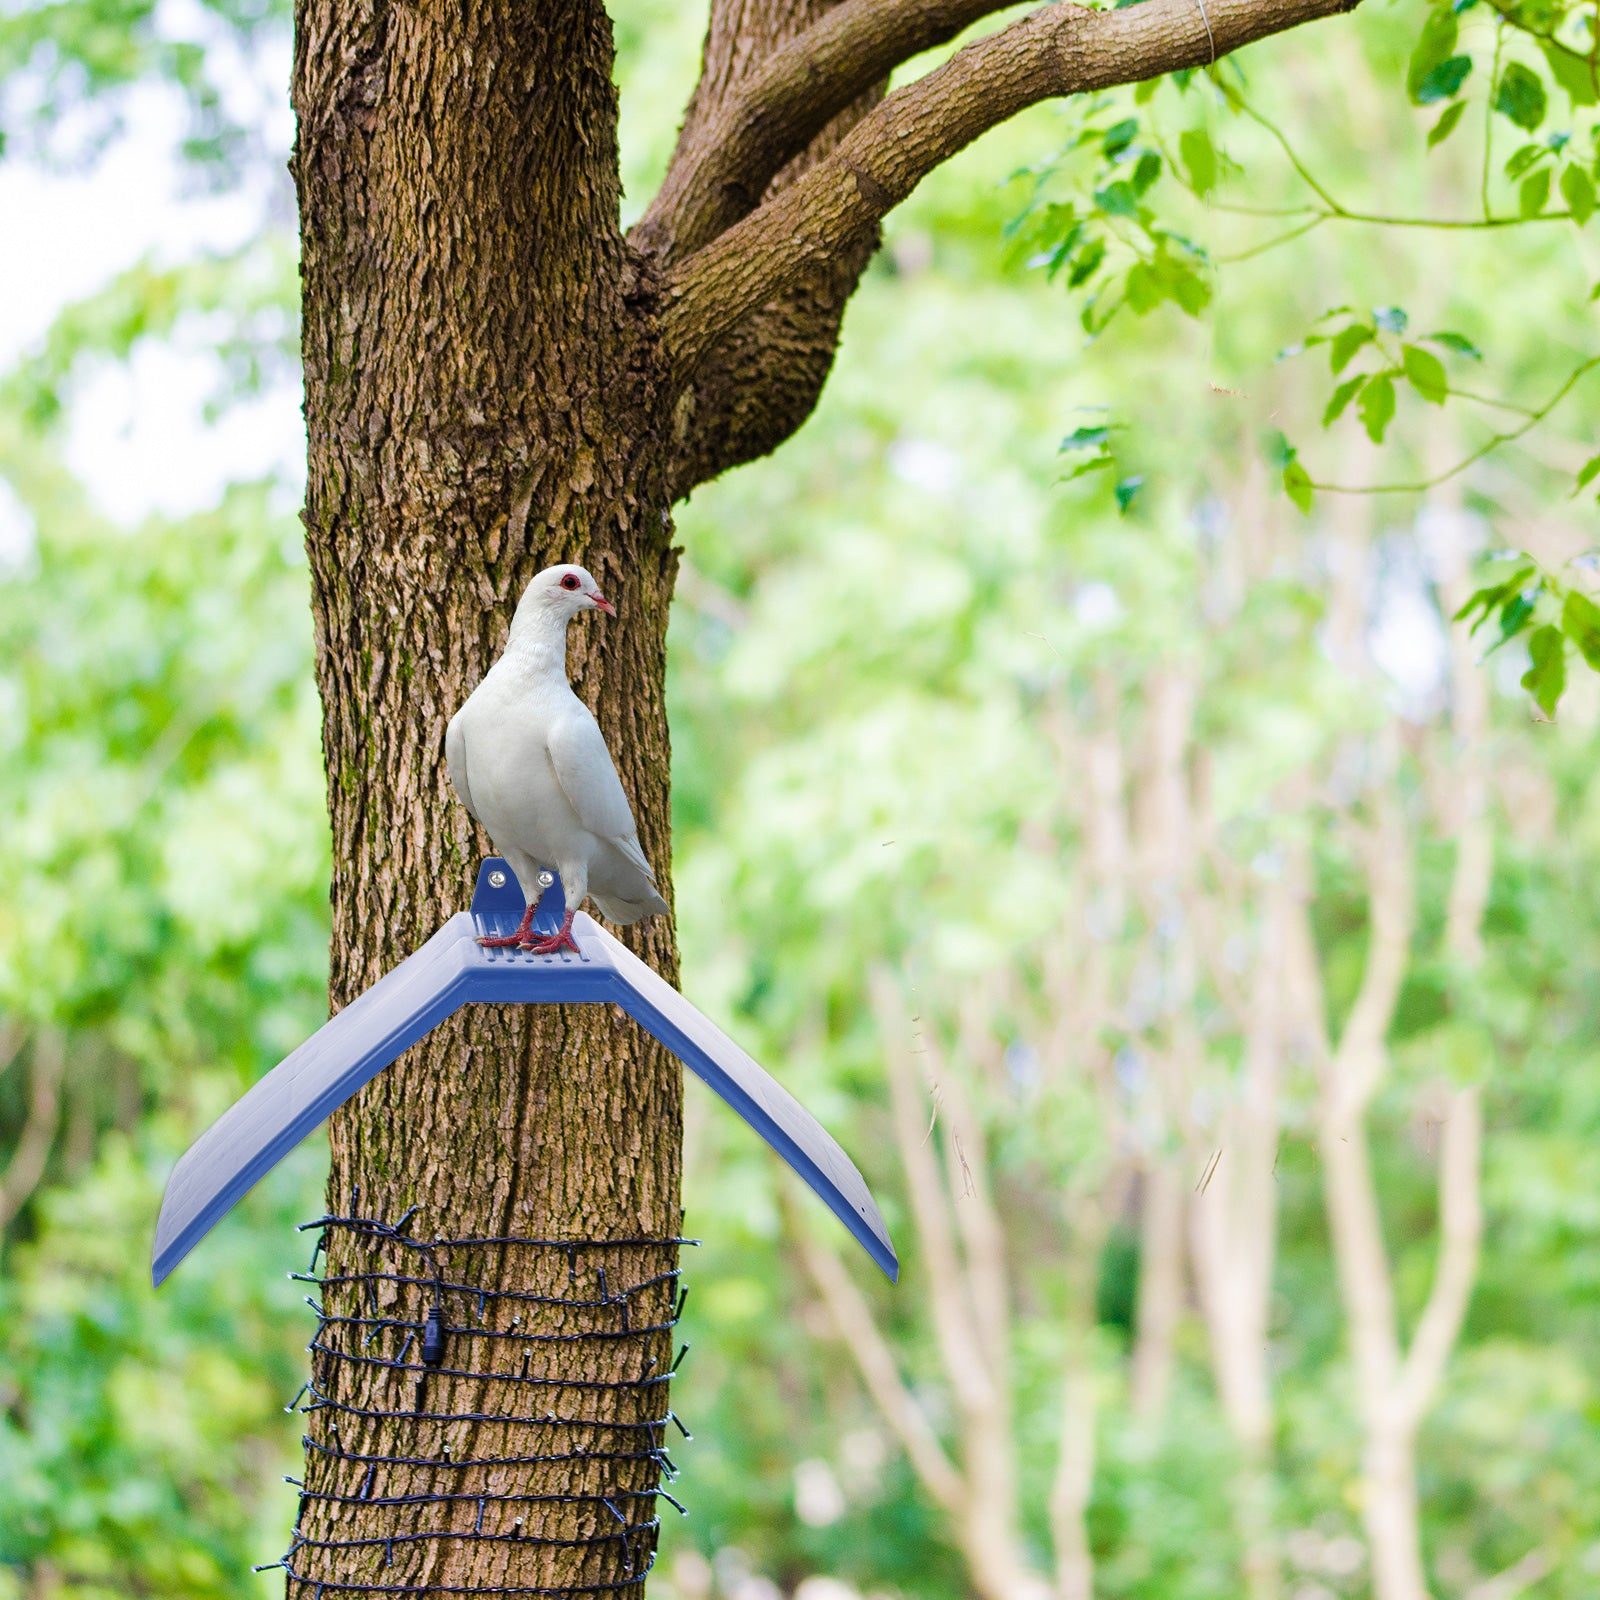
(623, 912)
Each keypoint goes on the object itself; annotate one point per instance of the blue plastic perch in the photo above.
(451, 970)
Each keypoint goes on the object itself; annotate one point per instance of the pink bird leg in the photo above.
(562, 940)
(521, 936)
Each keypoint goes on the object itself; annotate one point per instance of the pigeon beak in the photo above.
(602, 604)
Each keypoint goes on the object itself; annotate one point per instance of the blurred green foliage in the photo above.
(67, 67)
(875, 633)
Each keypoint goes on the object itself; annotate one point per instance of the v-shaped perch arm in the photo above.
(449, 971)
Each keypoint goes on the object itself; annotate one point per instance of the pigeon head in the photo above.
(557, 595)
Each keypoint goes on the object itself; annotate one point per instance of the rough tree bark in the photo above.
(495, 378)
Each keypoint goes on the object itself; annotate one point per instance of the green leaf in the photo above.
(1443, 82)
(1086, 438)
(1143, 289)
(1580, 621)
(1276, 448)
(1587, 474)
(1062, 253)
(1146, 171)
(1458, 342)
(1516, 612)
(1425, 373)
(1297, 485)
(1392, 319)
(1523, 157)
(1094, 464)
(1491, 595)
(1547, 677)
(1521, 96)
(1126, 491)
(1342, 396)
(1087, 264)
(1435, 45)
(1534, 192)
(1376, 406)
(1117, 200)
(1190, 289)
(1573, 73)
(1119, 137)
(1346, 343)
(1577, 189)
(1098, 310)
(1199, 160)
(1446, 125)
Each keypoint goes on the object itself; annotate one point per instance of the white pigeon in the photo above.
(530, 763)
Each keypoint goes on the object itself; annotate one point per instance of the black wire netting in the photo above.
(437, 1417)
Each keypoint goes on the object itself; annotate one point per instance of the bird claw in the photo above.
(518, 935)
(549, 946)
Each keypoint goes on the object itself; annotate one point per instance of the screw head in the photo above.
(546, 879)
(497, 880)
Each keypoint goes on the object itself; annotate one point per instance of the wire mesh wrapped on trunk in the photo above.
(430, 1402)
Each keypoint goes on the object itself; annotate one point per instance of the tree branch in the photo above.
(12, 1036)
(1059, 50)
(977, 1216)
(854, 1322)
(1073, 1485)
(27, 1164)
(949, 1305)
(720, 171)
(1461, 1230)
(758, 383)
(1359, 1062)
(1460, 1203)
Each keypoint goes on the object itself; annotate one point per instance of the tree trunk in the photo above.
(1159, 1307)
(1391, 1513)
(1073, 1489)
(480, 401)
(1234, 1233)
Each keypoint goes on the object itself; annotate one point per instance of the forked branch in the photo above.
(1061, 49)
(773, 115)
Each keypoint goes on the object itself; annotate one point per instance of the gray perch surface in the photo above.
(449, 971)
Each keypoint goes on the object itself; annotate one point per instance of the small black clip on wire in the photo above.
(433, 1339)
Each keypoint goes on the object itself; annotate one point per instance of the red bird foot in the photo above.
(561, 940)
(521, 936)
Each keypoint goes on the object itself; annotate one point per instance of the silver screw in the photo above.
(546, 879)
(497, 880)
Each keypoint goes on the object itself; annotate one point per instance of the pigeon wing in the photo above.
(455, 760)
(588, 779)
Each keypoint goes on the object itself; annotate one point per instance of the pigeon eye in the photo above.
(569, 582)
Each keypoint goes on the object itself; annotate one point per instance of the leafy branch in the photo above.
(1558, 619)
(1109, 242)
(1302, 488)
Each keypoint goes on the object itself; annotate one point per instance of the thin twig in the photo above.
(1493, 442)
